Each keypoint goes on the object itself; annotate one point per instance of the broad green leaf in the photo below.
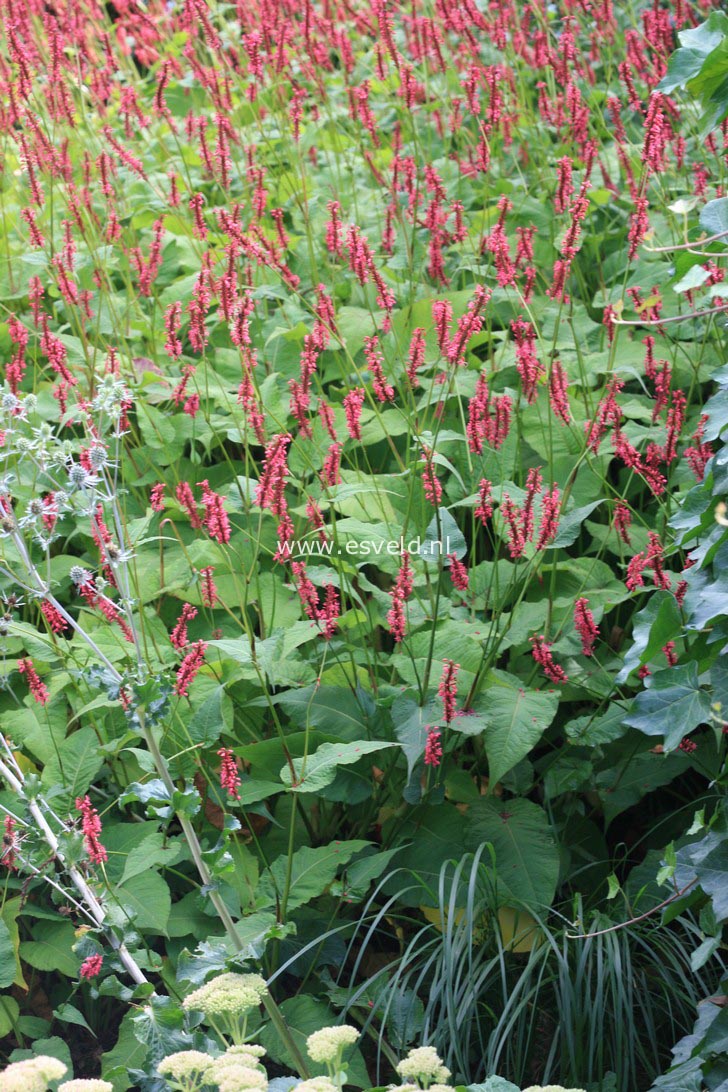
(410, 727)
(653, 626)
(75, 765)
(51, 948)
(129, 1053)
(442, 537)
(516, 718)
(7, 957)
(9, 1013)
(526, 855)
(147, 900)
(332, 709)
(305, 1014)
(314, 772)
(673, 705)
(9, 916)
(714, 216)
(153, 851)
(312, 871)
(570, 526)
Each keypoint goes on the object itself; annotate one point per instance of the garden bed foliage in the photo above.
(362, 549)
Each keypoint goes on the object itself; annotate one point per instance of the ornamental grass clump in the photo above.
(226, 1003)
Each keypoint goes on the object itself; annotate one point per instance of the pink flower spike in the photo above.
(91, 966)
(433, 748)
(229, 775)
(38, 688)
(585, 625)
(448, 688)
(91, 827)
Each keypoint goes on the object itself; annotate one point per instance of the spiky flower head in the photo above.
(31, 1075)
(228, 993)
(327, 1044)
(423, 1064)
(86, 1086)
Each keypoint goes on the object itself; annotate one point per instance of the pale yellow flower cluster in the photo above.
(32, 1074)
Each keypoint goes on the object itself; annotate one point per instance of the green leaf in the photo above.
(673, 705)
(410, 727)
(51, 948)
(714, 216)
(492, 1084)
(335, 710)
(312, 871)
(75, 765)
(214, 717)
(526, 855)
(9, 1013)
(147, 900)
(442, 537)
(316, 771)
(128, 1053)
(570, 526)
(69, 1014)
(653, 626)
(9, 915)
(152, 851)
(303, 1015)
(8, 964)
(517, 718)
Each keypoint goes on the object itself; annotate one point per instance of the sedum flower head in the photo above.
(317, 1084)
(327, 1044)
(230, 1074)
(228, 993)
(248, 1054)
(423, 1064)
(253, 1049)
(551, 1088)
(183, 1064)
(91, 1085)
(31, 1075)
